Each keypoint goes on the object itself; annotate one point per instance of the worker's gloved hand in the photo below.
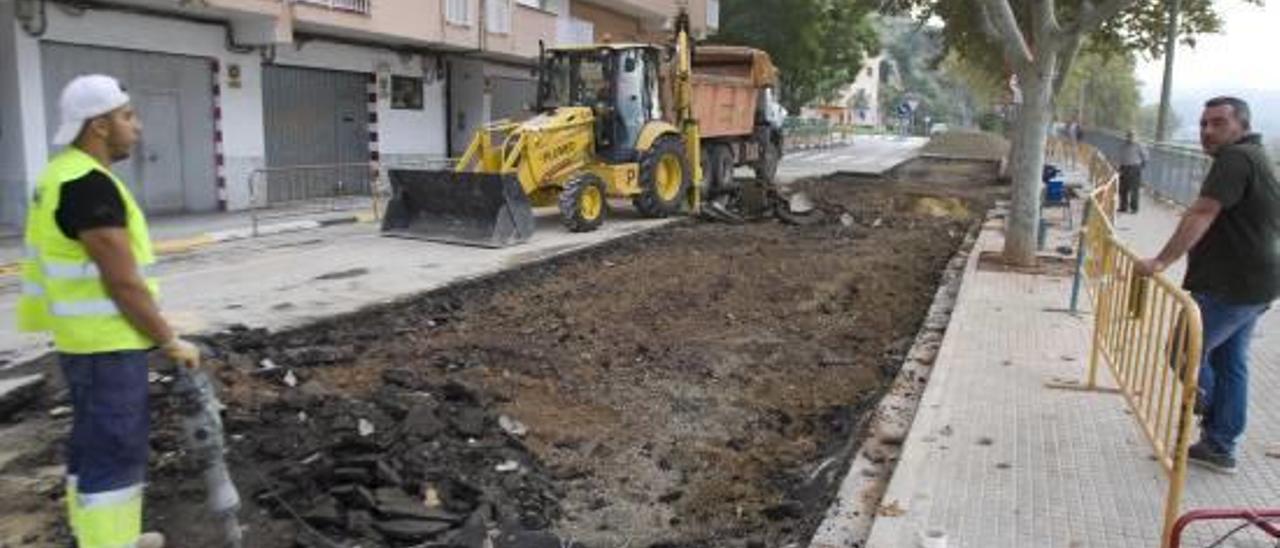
(182, 352)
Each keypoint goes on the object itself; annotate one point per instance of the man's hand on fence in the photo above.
(1149, 267)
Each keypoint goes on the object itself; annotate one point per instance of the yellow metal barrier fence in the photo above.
(1147, 331)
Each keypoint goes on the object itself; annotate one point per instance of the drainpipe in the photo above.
(30, 11)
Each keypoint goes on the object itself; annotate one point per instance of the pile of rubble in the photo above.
(415, 464)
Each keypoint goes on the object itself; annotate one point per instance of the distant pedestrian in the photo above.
(1133, 157)
(1074, 134)
(88, 280)
(1232, 234)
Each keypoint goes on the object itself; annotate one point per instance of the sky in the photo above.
(1236, 60)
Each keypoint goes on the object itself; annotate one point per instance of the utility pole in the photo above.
(1166, 90)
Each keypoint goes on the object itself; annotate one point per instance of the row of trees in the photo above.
(1041, 42)
(1059, 51)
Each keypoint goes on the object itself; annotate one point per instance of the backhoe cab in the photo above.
(620, 84)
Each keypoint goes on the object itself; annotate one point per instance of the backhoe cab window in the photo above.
(578, 80)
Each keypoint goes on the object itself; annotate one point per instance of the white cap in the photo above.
(84, 99)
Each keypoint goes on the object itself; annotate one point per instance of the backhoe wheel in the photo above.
(664, 178)
(582, 203)
(767, 165)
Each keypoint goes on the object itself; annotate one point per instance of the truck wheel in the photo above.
(664, 178)
(767, 166)
(582, 203)
(721, 166)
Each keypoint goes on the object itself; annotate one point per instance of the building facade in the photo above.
(228, 87)
(856, 104)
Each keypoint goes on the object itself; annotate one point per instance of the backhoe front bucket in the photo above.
(479, 209)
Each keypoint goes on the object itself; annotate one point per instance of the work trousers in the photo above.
(1130, 188)
(108, 448)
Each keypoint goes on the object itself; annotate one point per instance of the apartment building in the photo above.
(227, 87)
(857, 103)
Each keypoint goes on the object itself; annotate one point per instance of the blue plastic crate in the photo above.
(1055, 191)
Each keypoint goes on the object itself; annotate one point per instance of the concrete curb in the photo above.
(183, 245)
(859, 501)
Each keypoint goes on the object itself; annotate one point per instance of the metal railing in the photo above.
(802, 133)
(296, 191)
(1147, 331)
(357, 6)
(1173, 172)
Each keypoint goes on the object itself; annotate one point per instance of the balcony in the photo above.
(648, 11)
(353, 6)
(213, 8)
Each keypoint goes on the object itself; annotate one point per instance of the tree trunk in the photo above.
(1027, 162)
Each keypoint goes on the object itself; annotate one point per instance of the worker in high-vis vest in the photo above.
(88, 280)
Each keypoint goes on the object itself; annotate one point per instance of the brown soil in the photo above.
(679, 387)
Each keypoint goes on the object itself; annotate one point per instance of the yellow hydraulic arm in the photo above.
(684, 106)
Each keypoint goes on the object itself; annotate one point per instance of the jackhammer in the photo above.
(199, 408)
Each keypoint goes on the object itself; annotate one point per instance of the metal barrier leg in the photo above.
(1082, 250)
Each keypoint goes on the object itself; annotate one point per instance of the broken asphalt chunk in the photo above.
(411, 530)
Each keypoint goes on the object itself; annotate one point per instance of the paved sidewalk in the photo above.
(180, 233)
(995, 459)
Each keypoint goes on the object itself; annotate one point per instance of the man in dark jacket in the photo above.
(1231, 234)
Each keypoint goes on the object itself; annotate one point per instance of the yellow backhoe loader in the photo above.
(602, 131)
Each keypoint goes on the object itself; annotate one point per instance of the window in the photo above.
(574, 32)
(406, 93)
(497, 16)
(713, 15)
(457, 12)
(871, 72)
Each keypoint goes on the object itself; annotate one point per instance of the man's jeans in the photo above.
(1224, 372)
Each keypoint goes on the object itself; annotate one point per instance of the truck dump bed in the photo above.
(726, 85)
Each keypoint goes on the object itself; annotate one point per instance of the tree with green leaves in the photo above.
(1102, 91)
(916, 53)
(1038, 42)
(818, 45)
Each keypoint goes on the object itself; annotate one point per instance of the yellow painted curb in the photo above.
(169, 247)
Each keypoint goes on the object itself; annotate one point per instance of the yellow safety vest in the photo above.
(62, 290)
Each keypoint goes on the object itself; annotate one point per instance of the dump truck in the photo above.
(612, 121)
(735, 103)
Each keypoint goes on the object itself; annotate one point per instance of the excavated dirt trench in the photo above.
(679, 388)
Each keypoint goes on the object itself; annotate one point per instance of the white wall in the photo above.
(402, 132)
